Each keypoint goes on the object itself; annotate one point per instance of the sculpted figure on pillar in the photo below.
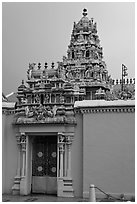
(23, 141)
(37, 99)
(69, 74)
(77, 74)
(69, 139)
(61, 98)
(87, 73)
(61, 137)
(18, 139)
(47, 98)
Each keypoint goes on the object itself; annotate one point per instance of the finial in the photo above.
(46, 65)
(85, 12)
(52, 65)
(22, 81)
(39, 65)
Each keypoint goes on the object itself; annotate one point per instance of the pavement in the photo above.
(39, 198)
(51, 198)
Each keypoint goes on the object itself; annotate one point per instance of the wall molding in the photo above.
(89, 110)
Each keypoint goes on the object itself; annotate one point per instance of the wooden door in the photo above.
(44, 165)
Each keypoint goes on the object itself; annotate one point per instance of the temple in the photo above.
(48, 115)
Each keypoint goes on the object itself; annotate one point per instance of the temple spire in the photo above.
(85, 12)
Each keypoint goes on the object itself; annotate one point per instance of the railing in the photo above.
(125, 81)
(109, 197)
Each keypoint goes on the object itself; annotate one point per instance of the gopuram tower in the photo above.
(84, 66)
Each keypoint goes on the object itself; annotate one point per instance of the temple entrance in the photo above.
(44, 165)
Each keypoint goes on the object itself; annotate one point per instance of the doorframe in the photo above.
(27, 132)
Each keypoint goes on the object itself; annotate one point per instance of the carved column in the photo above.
(23, 145)
(18, 138)
(61, 151)
(69, 139)
(50, 98)
(65, 186)
(16, 186)
(23, 182)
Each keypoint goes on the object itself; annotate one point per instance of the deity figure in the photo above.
(46, 98)
(49, 112)
(70, 75)
(64, 59)
(29, 72)
(95, 75)
(23, 100)
(54, 109)
(26, 110)
(61, 99)
(87, 73)
(62, 73)
(80, 38)
(77, 74)
(37, 99)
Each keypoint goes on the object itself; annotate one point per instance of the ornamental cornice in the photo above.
(89, 110)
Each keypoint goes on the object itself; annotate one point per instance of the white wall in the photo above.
(102, 152)
(9, 150)
(108, 151)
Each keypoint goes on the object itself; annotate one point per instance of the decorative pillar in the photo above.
(50, 98)
(18, 138)
(69, 139)
(61, 151)
(60, 164)
(23, 144)
(55, 100)
(16, 186)
(65, 186)
(23, 171)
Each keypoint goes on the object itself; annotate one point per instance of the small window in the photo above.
(72, 54)
(53, 99)
(87, 53)
(42, 99)
(68, 100)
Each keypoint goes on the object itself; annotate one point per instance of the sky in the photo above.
(40, 32)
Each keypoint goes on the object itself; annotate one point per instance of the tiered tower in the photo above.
(84, 66)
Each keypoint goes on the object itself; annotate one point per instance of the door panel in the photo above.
(44, 165)
(39, 184)
(51, 185)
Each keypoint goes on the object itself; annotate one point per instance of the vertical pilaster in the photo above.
(60, 164)
(61, 151)
(65, 188)
(50, 98)
(23, 171)
(69, 139)
(55, 100)
(23, 145)
(18, 138)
